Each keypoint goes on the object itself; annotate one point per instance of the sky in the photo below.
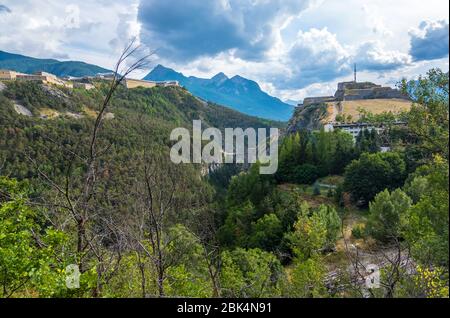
(292, 48)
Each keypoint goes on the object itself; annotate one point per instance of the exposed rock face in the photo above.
(22, 110)
(308, 117)
(55, 92)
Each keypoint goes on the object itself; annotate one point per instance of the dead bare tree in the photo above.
(77, 196)
(211, 252)
(165, 195)
(204, 229)
(358, 269)
(157, 196)
(81, 215)
(395, 262)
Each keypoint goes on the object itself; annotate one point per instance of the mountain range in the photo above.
(238, 93)
(26, 64)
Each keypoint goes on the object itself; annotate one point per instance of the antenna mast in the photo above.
(355, 72)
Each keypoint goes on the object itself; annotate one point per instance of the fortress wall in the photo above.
(389, 93)
(317, 100)
(352, 85)
(351, 91)
(7, 75)
(370, 93)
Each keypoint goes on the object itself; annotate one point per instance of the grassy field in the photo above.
(307, 194)
(49, 113)
(332, 180)
(375, 106)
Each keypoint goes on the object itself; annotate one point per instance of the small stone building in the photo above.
(7, 75)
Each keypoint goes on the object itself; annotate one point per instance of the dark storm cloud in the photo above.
(430, 41)
(187, 29)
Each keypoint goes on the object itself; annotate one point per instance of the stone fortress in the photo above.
(343, 110)
(51, 82)
(78, 82)
(41, 77)
(352, 91)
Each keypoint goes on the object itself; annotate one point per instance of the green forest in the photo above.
(100, 192)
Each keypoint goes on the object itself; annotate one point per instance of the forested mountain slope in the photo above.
(26, 64)
(137, 114)
(110, 201)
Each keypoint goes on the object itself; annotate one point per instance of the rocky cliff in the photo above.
(309, 117)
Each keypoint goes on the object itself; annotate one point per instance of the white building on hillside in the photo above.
(355, 128)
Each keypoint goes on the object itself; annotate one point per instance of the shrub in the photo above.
(306, 174)
(373, 173)
(358, 232)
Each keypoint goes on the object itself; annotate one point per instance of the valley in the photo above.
(224, 156)
(315, 228)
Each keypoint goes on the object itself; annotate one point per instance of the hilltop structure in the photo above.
(351, 91)
(86, 86)
(45, 78)
(343, 109)
(7, 75)
(41, 77)
(354, 90)
(79, 82)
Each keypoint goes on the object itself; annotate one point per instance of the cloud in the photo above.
(375, 21)
(81, 30)
(430, 40)
(127, 29)
(316, 56)
(292, 48)
(188, 29)
(314, 59)
(316, 89)
(4, 9)
(372, 56)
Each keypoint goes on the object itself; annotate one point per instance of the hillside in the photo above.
(349, 99)
(375, 106)
(237, 92)
(170, 105)
(30, 113)
(56, 194)
(25, 64)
